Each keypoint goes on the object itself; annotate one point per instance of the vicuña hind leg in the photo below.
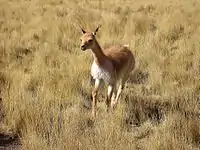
(114, 94)
(119, 91)
(109, 96)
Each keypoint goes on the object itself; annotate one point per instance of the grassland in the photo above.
(44, 76)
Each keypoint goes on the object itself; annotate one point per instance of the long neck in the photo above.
(99, 56)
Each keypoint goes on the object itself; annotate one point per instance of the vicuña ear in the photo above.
(97, 29)
(83, 31)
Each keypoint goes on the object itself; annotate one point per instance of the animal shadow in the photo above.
(140, 109)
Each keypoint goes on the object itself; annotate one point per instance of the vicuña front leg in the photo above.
(94, 97)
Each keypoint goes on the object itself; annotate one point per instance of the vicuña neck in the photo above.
(99, 56)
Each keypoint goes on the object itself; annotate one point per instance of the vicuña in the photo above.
(112, 65)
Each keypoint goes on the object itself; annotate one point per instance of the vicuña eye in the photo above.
(90, 41)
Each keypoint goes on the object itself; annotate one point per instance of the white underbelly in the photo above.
(98, 72)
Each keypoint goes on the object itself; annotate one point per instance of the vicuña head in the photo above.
(112, 65)
(88, 39)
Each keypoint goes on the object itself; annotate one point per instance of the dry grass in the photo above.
(44, 76)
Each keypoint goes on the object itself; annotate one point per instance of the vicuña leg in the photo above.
(119, 91)
(94, 97)
(109, 95)
(114, 94)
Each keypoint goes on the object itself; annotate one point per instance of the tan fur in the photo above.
(113, 64)
(120, 57)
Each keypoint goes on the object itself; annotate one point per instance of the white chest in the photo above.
(104, 73)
